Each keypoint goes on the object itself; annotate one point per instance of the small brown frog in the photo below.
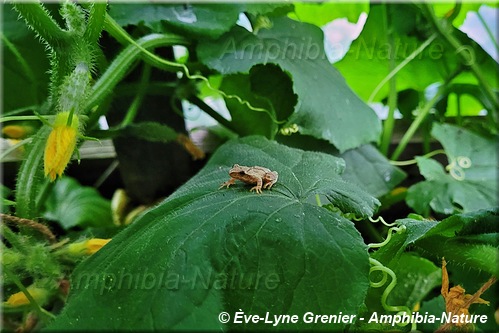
(252, 175)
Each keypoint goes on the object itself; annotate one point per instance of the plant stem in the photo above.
(392, 96)
(30, 176)
(13, 239)
(464, 51)
(415, 125)
(119, 67)
(95, 21)
(400, 66)
(37, 18)
(137, 101)
(212, 113)
(42, 312)
(41, 228)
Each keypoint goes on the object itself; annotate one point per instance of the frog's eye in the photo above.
(242, 172)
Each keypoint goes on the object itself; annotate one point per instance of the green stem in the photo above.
(392, 96)
(464, 51)
(44, 314)
(415, 125)
(30, 176)
(13, 239)
(137, 101)
(38, 18)
(95, 21)
(21, 118)
(119, 67)
(120, 34)
(401, 65)
(212, 113)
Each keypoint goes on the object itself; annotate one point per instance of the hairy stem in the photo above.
(38, 18)
(95, 21)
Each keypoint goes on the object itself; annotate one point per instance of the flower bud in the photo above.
(60, 145)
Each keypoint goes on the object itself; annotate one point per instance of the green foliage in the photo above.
(471, 181)
(292, 249)
(72, 205)
(322, 93)
(25, 65)
(478, 231)
(322, 13)
(283, 239)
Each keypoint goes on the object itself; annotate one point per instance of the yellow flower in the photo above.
(17, 131)
(19, 299)
(60, 145)
(89, 246)
(95, 244)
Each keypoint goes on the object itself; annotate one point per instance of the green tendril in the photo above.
(382, 220)
(388, 237)
(169, 65)
(413, 161)
(377, 266)
(456, 166)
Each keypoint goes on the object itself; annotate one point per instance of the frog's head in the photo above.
(237, 170)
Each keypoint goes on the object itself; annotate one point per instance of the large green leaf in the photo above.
(327, 108)
(471, 182)
(366, 167)
(199, 20)
(72, 205)
(370, 170)
(206, 250)
(265, 87)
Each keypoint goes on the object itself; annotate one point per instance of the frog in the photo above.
(252, 175)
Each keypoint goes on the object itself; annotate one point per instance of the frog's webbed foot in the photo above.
(227, 183)
(257, 188)
(269, 184)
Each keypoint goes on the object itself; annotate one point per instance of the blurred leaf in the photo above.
(370, 53)
(322, 13)
(25, 64)
(150, 131)
(369, 169)
(72, 205)
(471, 183)
(202, 249)
(327, 108)
(443, 9)
(197, 20)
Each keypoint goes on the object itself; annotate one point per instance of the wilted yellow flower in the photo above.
(19, 299)
(17, 131)
(89, 246)
(60, 145)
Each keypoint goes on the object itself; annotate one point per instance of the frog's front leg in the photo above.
(228, 183)
(258, 187)
(270, 179)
